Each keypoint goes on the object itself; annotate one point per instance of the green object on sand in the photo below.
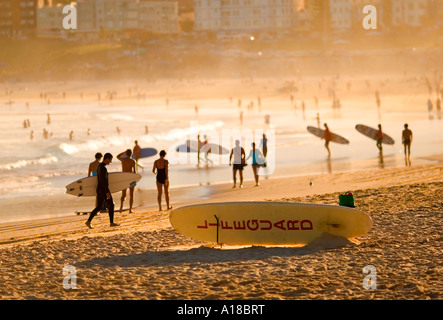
(346, 200)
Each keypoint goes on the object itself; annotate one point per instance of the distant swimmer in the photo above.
(31, 135)
(161, 169)
(94, 165)
(379, 138)
(128, 165)
(430, 106)
(407, 140)
(48, 120)
(327, 137)
(71, 135)
(239, 161)
(438, 106)
(377, 99)
(104, 195)
(257, 161)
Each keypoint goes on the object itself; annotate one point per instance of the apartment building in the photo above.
(409, 12)
(50, 19)
(17, 18)
(121, 15)
(244, 15)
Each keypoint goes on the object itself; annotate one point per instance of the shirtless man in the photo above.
(136, 151)
(239, 160)
(94, 165)
(128, 165)
(407, 140)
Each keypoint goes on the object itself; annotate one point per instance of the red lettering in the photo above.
(225, 226)
(203, 227)
(279, 225)
(309, 227)
(239, 227)
(254, 222)
(291, 225)
(269, 223)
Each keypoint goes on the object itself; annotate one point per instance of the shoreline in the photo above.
(146, 198)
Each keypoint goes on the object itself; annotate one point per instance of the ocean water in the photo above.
(43, 167)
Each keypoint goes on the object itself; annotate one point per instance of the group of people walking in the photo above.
(104, 197)
(239, 156)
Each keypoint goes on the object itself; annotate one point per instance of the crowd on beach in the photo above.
(130, 163)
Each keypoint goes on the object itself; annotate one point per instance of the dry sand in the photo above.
(145, 258)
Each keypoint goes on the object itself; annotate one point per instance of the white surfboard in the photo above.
(118, 181)
(267, 222)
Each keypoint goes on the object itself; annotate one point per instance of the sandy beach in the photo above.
(145, 258)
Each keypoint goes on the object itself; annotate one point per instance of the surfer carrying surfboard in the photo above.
(136, 151)
(379, 138)
(103, 193)
(327, 137)
(239, 161)
(128, 165)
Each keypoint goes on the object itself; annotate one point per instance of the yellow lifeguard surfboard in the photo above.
(267, 223)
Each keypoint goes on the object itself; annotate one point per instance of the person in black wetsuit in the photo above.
(161, 169)
(103, 193)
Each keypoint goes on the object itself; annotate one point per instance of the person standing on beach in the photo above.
(206, 150)
(407, 140)
(161, 169)
(199, 145)
(128, 165)
(136, 151)
(239, 161)
(379, 137)
(103, 193)
(327, 137)
(257, 161)
(264, 145)
(94, 165)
